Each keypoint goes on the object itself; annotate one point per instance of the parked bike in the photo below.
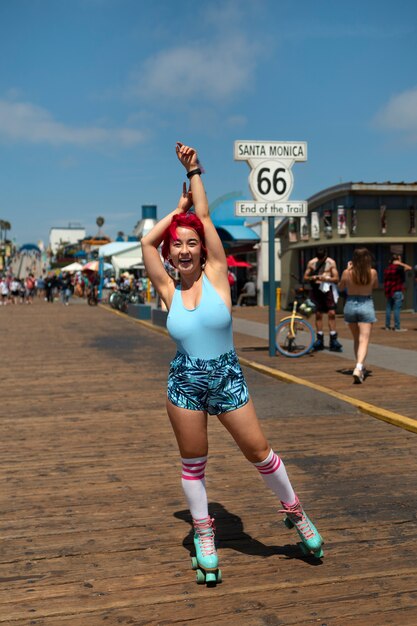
(294, 336)
(120, 299)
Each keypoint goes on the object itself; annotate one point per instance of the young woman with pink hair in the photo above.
(205, 376)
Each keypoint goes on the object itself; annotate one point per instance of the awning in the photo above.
(117, 247)
(232, 262)
(125, 263)
(72, 267)
(236, 233)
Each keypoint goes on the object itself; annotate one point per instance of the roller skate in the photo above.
(335, 345)
(206, 562)
(319, 343)
(311, 541)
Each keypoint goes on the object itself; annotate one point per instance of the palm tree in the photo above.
(2, 228)
(100, 221)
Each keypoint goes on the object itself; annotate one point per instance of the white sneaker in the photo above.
(400, 330)
(358, 376)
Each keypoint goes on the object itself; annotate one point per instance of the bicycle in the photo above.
(121, 298)
(294, 336)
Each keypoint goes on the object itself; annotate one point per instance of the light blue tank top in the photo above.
(204, 332)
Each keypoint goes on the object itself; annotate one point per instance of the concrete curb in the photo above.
(396, 419)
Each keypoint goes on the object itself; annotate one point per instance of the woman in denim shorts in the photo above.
(205, 377)
(359, 279)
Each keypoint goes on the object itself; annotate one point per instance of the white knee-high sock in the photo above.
(273, 471)
(194, 485)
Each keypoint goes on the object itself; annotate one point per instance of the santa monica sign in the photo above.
(271, 180)
(248, 150)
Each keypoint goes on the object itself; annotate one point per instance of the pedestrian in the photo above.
(14, 290)
(359, 279)
(49, 287)
(4, 291)
(322, 274)
(205, 376)
(66, 292)
(29, 288)
(248, 292)
(394, 286)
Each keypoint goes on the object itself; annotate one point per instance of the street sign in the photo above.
(271, 180)
(271, 209)
(264, 150)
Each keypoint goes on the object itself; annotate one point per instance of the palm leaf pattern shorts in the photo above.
(215, 385)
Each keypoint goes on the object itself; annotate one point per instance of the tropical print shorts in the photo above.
(214, 385)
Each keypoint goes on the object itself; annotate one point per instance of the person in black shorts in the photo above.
(323, 276)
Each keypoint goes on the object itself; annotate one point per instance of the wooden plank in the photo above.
(94, 527)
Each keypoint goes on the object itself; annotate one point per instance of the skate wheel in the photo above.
(200, 578)
(211, 578)
(194, 563)
(288, 523)
(319, 553)
(219, 576)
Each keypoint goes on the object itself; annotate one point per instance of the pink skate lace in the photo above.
(205, 530)
(296, 514)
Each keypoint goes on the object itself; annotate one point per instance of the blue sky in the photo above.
(94, 94)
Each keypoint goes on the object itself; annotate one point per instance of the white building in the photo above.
(63, 236)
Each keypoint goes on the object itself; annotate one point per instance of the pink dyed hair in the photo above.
(186, 220)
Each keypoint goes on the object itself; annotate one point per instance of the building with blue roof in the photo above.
(236, 237)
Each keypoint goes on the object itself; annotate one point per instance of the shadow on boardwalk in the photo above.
(231, 534)
(93, 524)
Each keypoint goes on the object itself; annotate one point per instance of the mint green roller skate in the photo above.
(206, 562)
(311, 541)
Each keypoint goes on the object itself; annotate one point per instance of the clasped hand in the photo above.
(187, 156)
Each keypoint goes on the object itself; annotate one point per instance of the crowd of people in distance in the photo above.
(53, 287)
(14, 290)
(49, 287)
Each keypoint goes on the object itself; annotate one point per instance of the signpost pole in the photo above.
(101, 276)
(271, 285)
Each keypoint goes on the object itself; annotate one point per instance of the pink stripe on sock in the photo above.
(194, 470)
(200, 477)
(271, 467)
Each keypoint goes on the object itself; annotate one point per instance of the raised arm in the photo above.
(216, 257)
(154, 266)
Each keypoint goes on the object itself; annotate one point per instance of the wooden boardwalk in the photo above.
(391, 390)
(94, 529)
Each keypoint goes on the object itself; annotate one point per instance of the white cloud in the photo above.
(215, 71)
(25, 122)
(237, 121)
(400, 114)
